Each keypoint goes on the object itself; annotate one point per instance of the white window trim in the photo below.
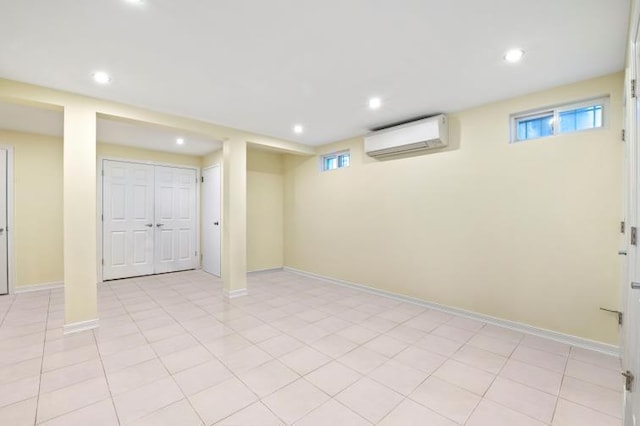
(335, 154)
(556, 110)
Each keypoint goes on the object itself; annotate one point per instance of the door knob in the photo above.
(149, 225)
(216, 223)
(622, 253)
(159, 225)
(1, 230)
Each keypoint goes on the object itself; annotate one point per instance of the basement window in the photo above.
(562, 119)
(336, 160)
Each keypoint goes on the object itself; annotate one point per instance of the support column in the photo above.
(79, 219)
(234, 218)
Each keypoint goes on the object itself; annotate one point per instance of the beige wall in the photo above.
(526, 232)
(131, 153)
(37, 207)
(265, 194)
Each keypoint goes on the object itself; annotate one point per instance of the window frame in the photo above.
(336, 155)
(556, 110)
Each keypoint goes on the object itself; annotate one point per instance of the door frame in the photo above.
(99, 192)
(211, 166)
(10, 219)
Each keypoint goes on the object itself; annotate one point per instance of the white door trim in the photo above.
(219, 165)
(99, 191)
(10, 218)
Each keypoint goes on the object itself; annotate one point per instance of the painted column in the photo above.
(79, 218)
(234, 217)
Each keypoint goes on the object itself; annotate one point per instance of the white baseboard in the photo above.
(77, 327)
(279, 268)
(513, 325)
(38, 287)
(235, 293)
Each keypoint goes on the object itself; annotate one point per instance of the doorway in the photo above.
(211, 200)
(4, 222)
(149, 223)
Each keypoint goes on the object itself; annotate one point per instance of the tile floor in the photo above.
(171, 351)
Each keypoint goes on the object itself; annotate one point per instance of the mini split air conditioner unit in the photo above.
(428, 133)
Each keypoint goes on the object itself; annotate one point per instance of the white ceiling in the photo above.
(264, 66)
(24, 118)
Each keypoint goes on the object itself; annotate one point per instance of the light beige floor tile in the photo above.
(539, 358)
(358, 334)
(99, 414)
(66, 358)
(571, 414)
(280, 345)
(536, 377)
(407, 334)
(438, 345)
(260, 333)
(220, 401)
(453, 333)
(127, 358)
(466, 323)
(332, 413)
(334, 345)
(21, 413)
(19, 390)
(422, 360)
(245, 359)
(333, 377)
(186, 358)
(593, 396)
(491, 344)
(595, 358)
(385, 345)
(71, 398)
(547, 345)
(201, 377)
(467, 377)
(70, 375)
(501, 333)
(255, 414)
(369, 399)
(177, 414)
(398, 376)
(480, 358)
(20, 370)
(296, 400)
(363, 360)
(113, 346)
(139, 402)
(305, 360)
(226, 345)
(446, 399)
(591, 373)
(174, 344)
(268, 377)
(489, 413)
(135, 376)
(531, 402)
(410, 413)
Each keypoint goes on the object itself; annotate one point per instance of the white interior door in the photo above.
(211, 192)
(4, 271)
(631, 330)
(175, 219)
(128, 205)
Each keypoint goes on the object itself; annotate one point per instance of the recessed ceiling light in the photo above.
(514, 55)
(101, 77)
(135, 1)
(375, 103)
(298, 128)
(180, 141)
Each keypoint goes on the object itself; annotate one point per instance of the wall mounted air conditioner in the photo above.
(428, 133)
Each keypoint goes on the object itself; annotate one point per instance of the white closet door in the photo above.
(4, 276)
(211, 220)
(128, 192)
(175, 219)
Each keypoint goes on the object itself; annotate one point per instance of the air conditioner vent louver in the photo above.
(416, 136)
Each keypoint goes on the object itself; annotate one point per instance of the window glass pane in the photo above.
(330, 163)
(535, 127)
(343, 160)
(581, 119)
